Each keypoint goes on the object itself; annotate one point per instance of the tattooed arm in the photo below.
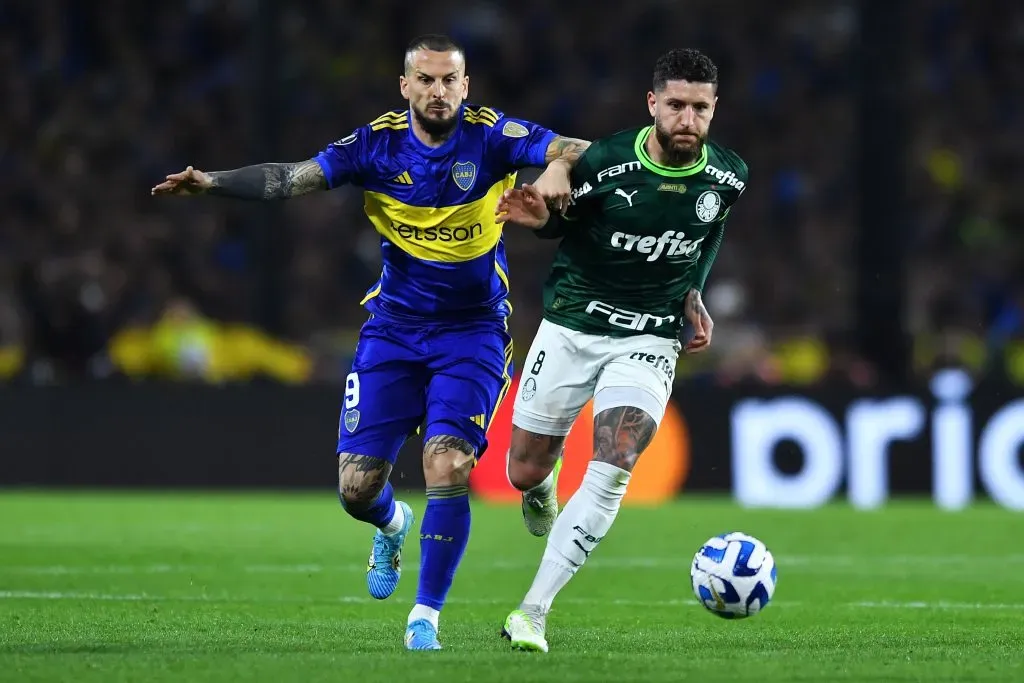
(269, 181)
(697, 315)
(566, 150)
(261, 181)
(555, 183)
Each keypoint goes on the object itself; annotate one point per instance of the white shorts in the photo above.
(565, 369)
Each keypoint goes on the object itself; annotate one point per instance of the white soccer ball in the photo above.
(733, 575)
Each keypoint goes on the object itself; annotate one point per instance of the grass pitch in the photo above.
(223, 587)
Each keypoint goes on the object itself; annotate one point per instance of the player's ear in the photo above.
(465, 87)
(652, 100)
(403, 86)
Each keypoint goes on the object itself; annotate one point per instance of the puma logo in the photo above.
(629, 197)
(593, 540)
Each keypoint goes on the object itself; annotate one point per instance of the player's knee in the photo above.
(360, 479)
(531, 457)
(447, 461)
(524, 475)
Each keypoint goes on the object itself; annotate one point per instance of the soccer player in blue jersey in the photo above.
(435, 351)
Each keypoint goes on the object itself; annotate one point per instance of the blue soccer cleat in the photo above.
(421, 635)
(384, 568)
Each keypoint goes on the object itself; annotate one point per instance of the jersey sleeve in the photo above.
(344, 161)
(518, 143)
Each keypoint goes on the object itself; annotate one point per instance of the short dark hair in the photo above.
(684, 64)
(435, 42)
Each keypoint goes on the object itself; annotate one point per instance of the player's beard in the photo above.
(676, 154)
(439, 129)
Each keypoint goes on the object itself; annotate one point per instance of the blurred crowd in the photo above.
(103, 99)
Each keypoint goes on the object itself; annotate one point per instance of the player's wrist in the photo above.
(561, 164)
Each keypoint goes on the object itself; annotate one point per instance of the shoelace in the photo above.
(533, 501)
(381, 547)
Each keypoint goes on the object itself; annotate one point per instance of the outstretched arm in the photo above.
(269, 181)
(257, 182)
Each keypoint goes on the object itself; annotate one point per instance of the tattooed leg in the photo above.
(447, 461)
(361, 478)
(621, 435)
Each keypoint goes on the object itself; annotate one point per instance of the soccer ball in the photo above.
(733, 575)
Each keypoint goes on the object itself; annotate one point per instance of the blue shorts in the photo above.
(450, 377)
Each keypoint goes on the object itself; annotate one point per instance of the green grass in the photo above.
(205, 587)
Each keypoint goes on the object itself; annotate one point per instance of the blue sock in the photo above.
(379, 512)
(443, 537)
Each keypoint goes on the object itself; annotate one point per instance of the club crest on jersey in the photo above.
(464, 173)
(708, 205)
(529, 389)
(351, 420)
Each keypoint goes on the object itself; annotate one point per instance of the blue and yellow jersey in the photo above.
(443, 256)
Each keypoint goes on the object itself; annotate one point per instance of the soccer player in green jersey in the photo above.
(646, 219)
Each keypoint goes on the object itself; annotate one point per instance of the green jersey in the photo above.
(638, 237)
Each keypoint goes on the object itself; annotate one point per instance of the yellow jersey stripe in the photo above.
(503, 276)
(469, 114)
(483, 112)
(372, 293)
(393, 116)
(449, 234)
(386, 124)
(480, 119)
(507, 382)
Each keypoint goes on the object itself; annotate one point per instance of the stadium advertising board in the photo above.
(952, 442)
(948, 440)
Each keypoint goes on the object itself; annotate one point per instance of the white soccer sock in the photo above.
(395, 525)
(543, 488)
(423, 612)
(592, 508)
